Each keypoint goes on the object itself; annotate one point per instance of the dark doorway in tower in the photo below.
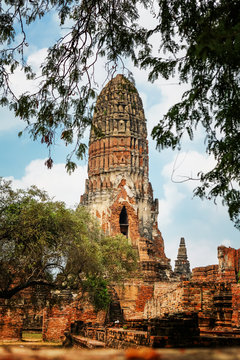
(123, 221)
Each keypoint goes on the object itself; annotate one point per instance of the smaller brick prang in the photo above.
(182, 265)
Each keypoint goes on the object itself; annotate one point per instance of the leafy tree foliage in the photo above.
(98, 292)
(63, 103)
(198, 39)
(43, 243)
(202, 39)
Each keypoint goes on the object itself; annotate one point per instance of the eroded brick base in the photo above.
(11, 322)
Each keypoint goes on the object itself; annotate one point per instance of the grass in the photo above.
(30, 339)
(31, 336)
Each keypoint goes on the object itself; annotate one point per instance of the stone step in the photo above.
(83, 342)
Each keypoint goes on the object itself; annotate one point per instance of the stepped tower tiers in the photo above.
(182, 265)
(118, 191)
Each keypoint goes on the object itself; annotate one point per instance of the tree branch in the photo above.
(8, 294)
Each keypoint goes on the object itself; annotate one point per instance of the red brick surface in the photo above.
(11, 321)
(145, 293)
(57, 319)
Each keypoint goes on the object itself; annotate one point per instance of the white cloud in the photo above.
(18, 80)
(57, 182)
(19, 85)
(37, 58)
(9, 121)
(226, 242)
(200, 222)
(187, 165)
(202, 252)
(170, 93)
(167, 205)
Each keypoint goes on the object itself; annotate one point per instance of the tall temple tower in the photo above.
(182, 265)
(118, 191)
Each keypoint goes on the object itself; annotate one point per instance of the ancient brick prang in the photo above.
(118, 191)
(182, 265)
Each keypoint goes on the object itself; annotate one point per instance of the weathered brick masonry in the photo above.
(118, 191)
(213, 293)
(58, 318)
(11, 322)
(22, 311)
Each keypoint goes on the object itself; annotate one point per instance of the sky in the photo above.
(203, 224)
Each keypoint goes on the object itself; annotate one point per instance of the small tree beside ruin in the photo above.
(44, 243)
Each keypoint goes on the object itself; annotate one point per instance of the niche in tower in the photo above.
(123, 221)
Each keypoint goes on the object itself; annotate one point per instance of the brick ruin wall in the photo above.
(22, 312)
(11, 323)
(54, 317)
(57, 319)
(217, 302)
(205, 273)
(133, 297)
(226, 271)
(236, 305)
(213, 292)
(217, 305)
